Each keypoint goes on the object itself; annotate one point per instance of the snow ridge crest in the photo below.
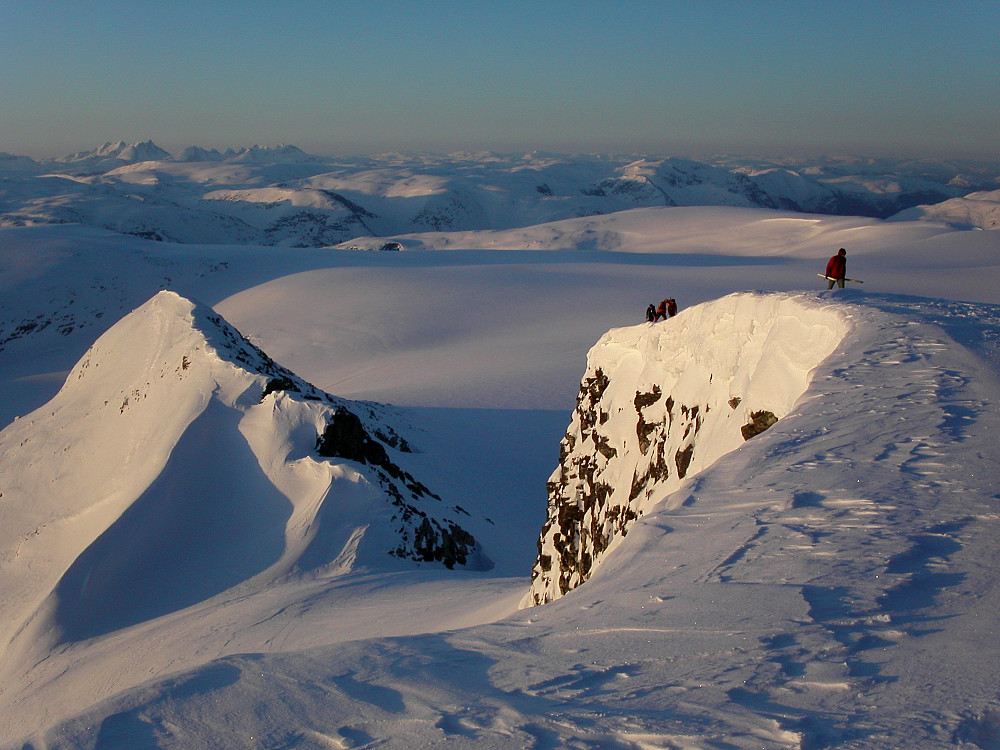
(660, 402)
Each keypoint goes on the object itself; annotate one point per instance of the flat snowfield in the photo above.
(180, 568)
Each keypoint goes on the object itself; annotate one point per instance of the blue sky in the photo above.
(906, 77)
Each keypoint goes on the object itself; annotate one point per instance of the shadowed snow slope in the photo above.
(661, 401)
(177, 462)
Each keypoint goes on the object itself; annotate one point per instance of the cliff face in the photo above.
(658, 403)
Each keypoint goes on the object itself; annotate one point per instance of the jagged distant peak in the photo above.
(197, 153)
(122, 151)
(5, 156)
(278, 153)
(13, 162)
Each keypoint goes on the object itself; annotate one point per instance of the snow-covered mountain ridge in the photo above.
(107, 478)
(284, 196)
(976, 210)
(660, 401)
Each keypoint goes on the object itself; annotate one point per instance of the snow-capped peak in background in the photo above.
(197, 153)
(979, 210)
(280, 154)
(129, 153)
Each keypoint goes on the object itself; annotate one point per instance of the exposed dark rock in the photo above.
(734, 402)
(432, 540)
(278, 384)
(390, 438)
(643, 431)
(586, 513)
(683, 460)
(659, 469)
(591, 391)
(759, 421)
(642, 400)
(346, 437)
(449, 546)
(604, 448)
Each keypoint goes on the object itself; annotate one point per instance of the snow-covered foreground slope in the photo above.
(831, 582)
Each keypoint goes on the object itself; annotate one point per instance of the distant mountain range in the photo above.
(282, 195)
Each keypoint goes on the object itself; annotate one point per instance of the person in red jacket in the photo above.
(836, 269)
(661, 311)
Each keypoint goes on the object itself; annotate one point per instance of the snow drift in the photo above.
(177, 462)
(662, 401)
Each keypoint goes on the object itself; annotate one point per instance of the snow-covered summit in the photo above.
(179, 461)
(15, 163)
(199, 154)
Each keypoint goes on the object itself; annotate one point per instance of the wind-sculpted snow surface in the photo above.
(661, 401)
(178, 461)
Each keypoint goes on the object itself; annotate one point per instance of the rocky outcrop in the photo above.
(660, 402)
(421, 536)
(590, 506)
